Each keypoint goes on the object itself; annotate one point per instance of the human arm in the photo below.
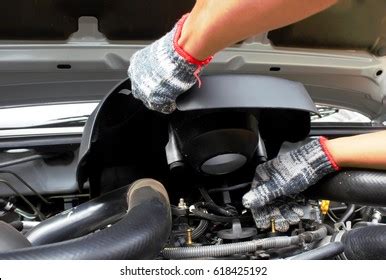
(216, 24)
(295, 171)
(361, 151)
(170, 66)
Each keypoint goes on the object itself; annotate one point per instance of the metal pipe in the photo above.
(349, 211)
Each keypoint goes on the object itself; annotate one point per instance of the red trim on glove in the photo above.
(323, 143)
(188, 57)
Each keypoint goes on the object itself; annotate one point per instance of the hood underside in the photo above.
(351, 24)
(72, 50)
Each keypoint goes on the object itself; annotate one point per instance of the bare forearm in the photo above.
(216, 24)
(363, 151)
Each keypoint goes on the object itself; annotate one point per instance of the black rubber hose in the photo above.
(322, 253)
(81, 220)
(231, 188)
(347, 214)
(141, 234)
(362, 187)
(365, 243)
(330, 229)
(215, 208)
(200, 229)
(216, 218)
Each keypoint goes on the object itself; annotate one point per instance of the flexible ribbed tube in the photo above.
(200, 229)
(229, 249)
(211, 251)
(243, 247)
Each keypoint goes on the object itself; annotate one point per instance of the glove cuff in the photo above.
(162, 71)
(184, 54)
(323, 143)
(319, 159)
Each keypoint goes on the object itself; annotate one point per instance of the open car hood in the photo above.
(351, 24)
(65, 51)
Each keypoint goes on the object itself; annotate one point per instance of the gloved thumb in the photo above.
(256, 197)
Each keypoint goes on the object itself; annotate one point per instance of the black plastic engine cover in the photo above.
(124, 141)
(217, 143)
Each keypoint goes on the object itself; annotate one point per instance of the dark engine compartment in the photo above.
(201, 160)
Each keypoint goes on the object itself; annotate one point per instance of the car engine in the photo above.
(152, 186)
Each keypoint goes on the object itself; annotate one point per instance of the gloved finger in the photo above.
(297, 209)
(257, 197)
(291, 216)
(261, 174)
(261, 217)
(281, 224)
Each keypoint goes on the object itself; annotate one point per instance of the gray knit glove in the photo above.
(281, 213)
(290, 173)
(162, 71)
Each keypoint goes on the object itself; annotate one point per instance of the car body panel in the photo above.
(87, 60)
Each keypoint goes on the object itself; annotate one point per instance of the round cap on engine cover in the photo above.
(216, 143)
(223, 164)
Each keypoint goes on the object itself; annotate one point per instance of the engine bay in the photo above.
(57, 200)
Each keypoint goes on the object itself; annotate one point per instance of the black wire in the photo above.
(215, 218)
(20, 160)
(36, 211)
(25, 183)
(333, 215)
(200, 229)
(205, 195)
(215, 208)
(232, 188)
(211, 205)
(347, 214)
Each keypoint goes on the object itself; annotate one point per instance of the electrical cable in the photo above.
(333, 215)
(20, 160)
(332, 219)
(25, 183)
(231, 188)
(36, 211)
(347, 214)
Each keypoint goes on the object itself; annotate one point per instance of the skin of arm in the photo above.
(216, 24)
(362, 151)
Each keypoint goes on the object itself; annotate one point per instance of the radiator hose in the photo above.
(81, 220)
(140, 234)
(362, 187)
(365, 243)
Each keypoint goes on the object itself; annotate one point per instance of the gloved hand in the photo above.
(162, 71)
(290, 173)
(281, 213)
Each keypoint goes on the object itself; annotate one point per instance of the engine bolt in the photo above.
(273, 229)
(182, 204)
(189, 234)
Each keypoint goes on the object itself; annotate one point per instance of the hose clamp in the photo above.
(338, 238)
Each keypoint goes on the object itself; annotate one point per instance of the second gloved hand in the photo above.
(281, 213)
(290, 173)
(162, 71)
